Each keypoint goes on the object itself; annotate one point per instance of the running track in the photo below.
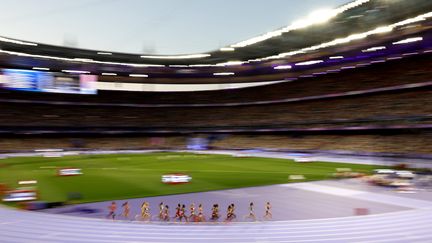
(404, 226)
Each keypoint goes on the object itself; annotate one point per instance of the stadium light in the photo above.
(376, 48)
(316, 17)
(309, 63)
(230, 63)
(41, 68)
(283, 67)
(83, 59)
(189, 56)
(109, 74)
(227, 49)
(383, 29)
(179, 66)
(104, 53)
(76, 71)
(17, 42)
(79, 60)
(224, 74)
(336, 57)
(321, 16)
(201, 65)
(408, 40)
(138, 75)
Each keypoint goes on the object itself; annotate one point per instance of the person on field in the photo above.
(251, 212)
(215, 212)
(192, 216)
(230, 212)
(165, 214)
(268, 214)
(112, 208)
(126, 210)
(201, 217)
(178, 209)
(161, 210)
(145, 211)
(183, 213)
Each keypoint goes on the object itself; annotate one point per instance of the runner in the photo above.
(201, 217)
(251, 212)
(178, 209)
(268, 214)
(183, 213)
(145, 214)
(215, 212)
(165, 215)
(112, 208)
(230, 212)
(192, 216)
(126, 210)
(161, 210)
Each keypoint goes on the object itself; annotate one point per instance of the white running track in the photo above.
(405, 226)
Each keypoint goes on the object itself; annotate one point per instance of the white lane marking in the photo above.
(291, 232)
(388, 232)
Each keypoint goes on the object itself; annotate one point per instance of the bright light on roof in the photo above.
(223, 74)
(83, 59)
(336, 57)
(104, 53)
(383, 29)
(138, 75)
(41, 68)
(376, 48)
(309, 63)
(321, 16)
(189, 56)
(230, 63)
(79, 60)
(315, 17)
(109, 74)
(201, 65)
(227, 49)
(408, 40)
(282, 67)
(17, 42)
(178, 66)
(75, 71)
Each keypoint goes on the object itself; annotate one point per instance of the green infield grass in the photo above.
(122, 176)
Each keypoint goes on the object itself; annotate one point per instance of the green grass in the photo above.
(110, 177)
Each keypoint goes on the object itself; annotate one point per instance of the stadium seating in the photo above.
(376, 109)
(391, 73)
(408, 106)
(408, 143)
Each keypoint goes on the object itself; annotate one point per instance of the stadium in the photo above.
(319, 131)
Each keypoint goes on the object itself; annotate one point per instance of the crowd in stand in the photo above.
(406, 107)
(402, 143)
(386, 108)
(391, 73)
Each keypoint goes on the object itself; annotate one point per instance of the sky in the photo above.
(150, 26)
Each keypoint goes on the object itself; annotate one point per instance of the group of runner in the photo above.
(195, 214)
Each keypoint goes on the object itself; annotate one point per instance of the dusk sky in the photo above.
(150, 26)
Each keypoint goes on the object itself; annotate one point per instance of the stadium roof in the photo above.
(319, 27)
(350, 27)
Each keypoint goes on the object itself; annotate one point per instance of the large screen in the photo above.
(29, 80)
